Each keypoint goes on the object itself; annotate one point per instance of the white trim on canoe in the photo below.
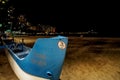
(19, 72)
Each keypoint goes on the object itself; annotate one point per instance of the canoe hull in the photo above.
(19, 72)
(36, 63)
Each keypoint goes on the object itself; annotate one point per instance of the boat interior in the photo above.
(18, 49)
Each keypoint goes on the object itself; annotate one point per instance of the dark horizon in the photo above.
(69, 18)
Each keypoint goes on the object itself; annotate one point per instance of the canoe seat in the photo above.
(17, 50)
(16, 47)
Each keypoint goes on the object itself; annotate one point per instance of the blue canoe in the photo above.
(43, 61)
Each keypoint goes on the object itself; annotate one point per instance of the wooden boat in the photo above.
(43, 61)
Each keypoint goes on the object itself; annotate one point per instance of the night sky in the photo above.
(72, 16)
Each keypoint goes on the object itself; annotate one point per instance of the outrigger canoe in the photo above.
(43, 61)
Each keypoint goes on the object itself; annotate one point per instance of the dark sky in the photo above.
(72, 16)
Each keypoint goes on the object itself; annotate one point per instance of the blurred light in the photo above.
(0, 25)
(3, 2)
